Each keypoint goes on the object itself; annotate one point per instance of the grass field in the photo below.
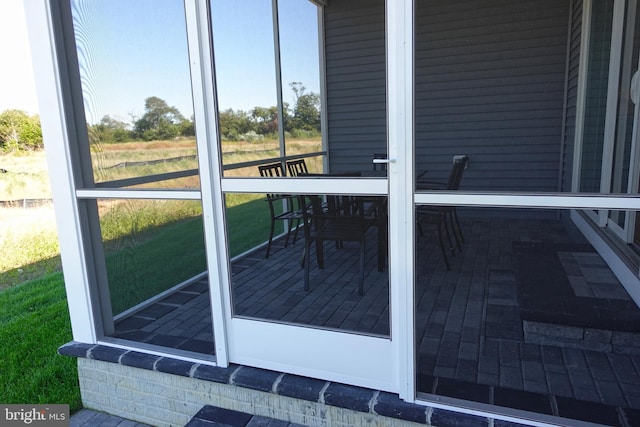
(24, 176)
(28, 243)
(34, 320)
(28, 239)
(132, 159)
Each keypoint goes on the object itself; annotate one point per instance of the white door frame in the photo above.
(339, 356)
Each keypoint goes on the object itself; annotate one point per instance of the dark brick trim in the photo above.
(300, 387)
(309, 389)
(255, 378)
(333, 394)
(390, 405)
(349, 397)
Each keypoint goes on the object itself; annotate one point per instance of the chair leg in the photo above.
(290, 226)
(451, 226)
(446, 230)
(444, 252)
(295, 233)
(273, 225)
(455, 216)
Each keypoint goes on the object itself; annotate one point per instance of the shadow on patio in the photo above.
(528, 317)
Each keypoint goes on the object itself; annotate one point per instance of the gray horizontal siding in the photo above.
(356, 82)
(490, 83)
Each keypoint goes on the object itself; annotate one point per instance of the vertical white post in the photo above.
(206, 125)
(400, 173)
(53, 117)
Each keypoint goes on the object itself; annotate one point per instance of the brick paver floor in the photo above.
(469, 319)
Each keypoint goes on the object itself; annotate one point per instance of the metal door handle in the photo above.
(383, 161)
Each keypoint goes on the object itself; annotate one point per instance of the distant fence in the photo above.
(152, 162)
(26, 203)
(182, 158)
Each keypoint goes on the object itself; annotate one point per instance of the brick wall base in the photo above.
(162, 399)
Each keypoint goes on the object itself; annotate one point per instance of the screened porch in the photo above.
(528, 316)
(515, 307)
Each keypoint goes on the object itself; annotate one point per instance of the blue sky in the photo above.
(243, 42)
(131, 50)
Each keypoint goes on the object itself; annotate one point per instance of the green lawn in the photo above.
(248, 222)
(163, 247)
(34, 322)
(173, 253)
(143, 261)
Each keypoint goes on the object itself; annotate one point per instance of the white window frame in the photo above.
(58, 87)
(55, 123)
(601, 218)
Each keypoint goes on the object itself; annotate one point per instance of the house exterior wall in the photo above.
(490, 80)
(494, 91)
(355, 81)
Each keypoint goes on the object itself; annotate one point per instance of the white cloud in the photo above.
(17, 87)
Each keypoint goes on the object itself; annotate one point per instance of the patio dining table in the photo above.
(375, 208)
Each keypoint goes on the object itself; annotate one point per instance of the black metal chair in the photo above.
(343, 219)
(282, 207)
(443, 217)
(297, 167)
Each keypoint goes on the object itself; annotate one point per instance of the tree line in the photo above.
(160, 121)
(300, 120)
(19, 131)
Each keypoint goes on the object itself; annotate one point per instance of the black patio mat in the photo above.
(546, 296)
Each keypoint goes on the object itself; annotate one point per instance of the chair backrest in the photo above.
(334, 207)
(459, 165)
(271, 170)
(297, 167)
(344, 206)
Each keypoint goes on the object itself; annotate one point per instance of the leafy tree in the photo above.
(187, 127)
(160, 121)
(19, 131)
(265, 119)
(112, 130)
(306, 113)
(234, 123)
